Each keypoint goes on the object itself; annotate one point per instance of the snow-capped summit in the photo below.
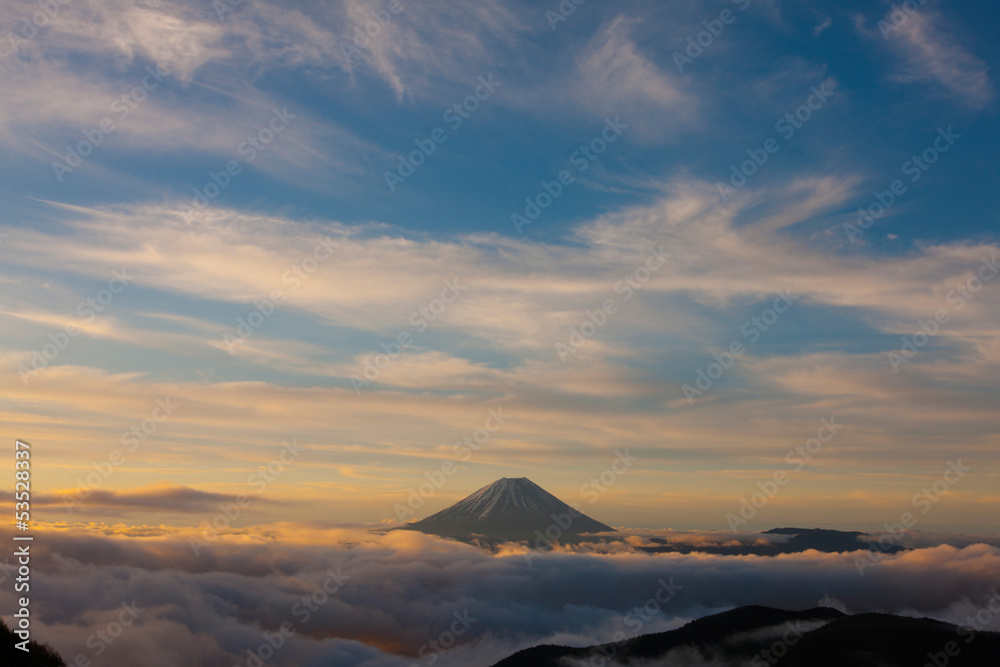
(509, 508)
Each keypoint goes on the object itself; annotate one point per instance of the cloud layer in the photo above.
(392, 595)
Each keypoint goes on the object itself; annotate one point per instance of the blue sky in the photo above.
(331, 121)
(361, 112)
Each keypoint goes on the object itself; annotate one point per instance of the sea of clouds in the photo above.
(353, 596)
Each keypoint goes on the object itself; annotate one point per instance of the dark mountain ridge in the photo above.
(758, 636)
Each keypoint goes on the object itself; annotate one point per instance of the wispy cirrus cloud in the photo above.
(424, 45)
(613, 76)
(84, 66)
(495, 345)
(932, 52)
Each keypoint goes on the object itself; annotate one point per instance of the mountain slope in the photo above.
(509, 508)
(756, 636)
(38, 655)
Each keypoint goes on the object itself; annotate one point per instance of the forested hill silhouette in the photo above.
(759, 636)
(38, 655)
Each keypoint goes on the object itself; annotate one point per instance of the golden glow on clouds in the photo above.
(364, 452)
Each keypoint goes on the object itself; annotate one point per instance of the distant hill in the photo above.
(509, 509)
(39, 655)
(755, 636)
(799, 539)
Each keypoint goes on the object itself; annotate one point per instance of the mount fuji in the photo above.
(509, 509)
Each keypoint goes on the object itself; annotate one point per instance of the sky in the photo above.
(251, 251)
